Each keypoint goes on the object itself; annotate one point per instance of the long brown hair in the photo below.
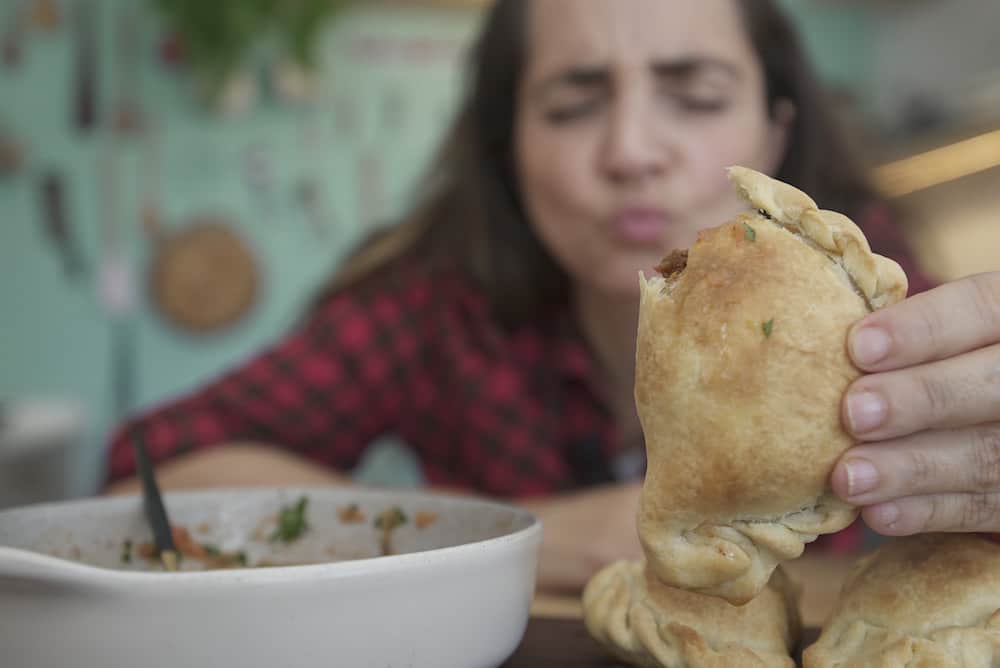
(471, 216)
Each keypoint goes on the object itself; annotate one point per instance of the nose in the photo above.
(633, 150)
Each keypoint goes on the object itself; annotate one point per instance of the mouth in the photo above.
(640, 225)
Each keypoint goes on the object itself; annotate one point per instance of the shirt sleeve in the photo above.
(325, 391)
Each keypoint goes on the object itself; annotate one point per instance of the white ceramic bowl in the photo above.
(454, 593)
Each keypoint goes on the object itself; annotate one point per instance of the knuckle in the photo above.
(986, 297)
(931, 326)
(923, 468)
(935, 512)
(985, 459)
(938, 394)
(980, 510)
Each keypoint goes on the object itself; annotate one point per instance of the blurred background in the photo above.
(177, 178)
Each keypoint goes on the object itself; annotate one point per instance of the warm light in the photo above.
(939, 165)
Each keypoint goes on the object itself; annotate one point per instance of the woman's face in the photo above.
(629, 112)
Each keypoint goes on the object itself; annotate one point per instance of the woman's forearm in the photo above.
(235, 465)
(583, 532)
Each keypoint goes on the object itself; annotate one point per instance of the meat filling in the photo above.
(673, 264)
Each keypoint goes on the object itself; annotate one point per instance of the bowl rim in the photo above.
(364, 566)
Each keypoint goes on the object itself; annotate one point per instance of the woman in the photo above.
(494, 330)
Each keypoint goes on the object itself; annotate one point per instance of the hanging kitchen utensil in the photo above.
(203, 278)
(45, 15)
(11, 154)
(52, 195)
(85, 59)
(258, 177)
(309, 192)
(116, 288)
(150, 216)
(310, 198)
(11, 48)
(128, 114)
(371, 191)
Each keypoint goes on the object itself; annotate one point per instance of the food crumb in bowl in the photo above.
(424, 519)
(388, 520)
(187, 547)
(146, 550)
(291, 522)
(126, 557)
(351, 514)
(204, 527)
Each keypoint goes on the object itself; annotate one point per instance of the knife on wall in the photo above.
(85, 61)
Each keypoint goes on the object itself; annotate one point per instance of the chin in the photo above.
(621, 282)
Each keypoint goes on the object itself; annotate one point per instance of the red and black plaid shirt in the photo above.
(416, 354)
(419, 355)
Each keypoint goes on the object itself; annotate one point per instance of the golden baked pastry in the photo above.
(646, 623)
(923, 601)
(741, 364)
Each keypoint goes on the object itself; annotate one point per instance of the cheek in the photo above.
(556, 186)
(733, 141)
(565, 200)
(552, 169)
(711, 149)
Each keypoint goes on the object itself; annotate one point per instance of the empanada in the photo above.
(929, 601)
(646, 623)
(741, 365)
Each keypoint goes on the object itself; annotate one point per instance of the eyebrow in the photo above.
(597, 76)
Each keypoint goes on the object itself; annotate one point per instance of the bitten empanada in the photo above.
(741, 365)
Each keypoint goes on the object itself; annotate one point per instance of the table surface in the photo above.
(551, 642)
(819, 576)
(556, 635)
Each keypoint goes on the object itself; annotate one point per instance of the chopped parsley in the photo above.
(291, 522)
(390, 518)
(749, 233)
(127, 552)
(351, 514)
(768, 327)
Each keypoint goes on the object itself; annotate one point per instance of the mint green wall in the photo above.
(54, 337)
(840, 38)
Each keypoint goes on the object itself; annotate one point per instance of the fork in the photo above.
(156, 513)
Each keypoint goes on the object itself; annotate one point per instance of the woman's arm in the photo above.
(584, 532)
(324, 392)
(235, 465)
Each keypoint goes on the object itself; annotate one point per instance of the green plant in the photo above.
(300, 23)
(218, 35)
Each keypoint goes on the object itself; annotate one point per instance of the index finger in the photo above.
(951, 319)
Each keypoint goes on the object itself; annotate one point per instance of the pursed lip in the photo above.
(640, 224)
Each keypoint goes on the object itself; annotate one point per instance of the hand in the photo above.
(928, 415)
(584, 532)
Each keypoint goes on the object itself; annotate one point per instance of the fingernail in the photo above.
(865, 411)
(886, 514)
(870, 345)
(862, 476)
